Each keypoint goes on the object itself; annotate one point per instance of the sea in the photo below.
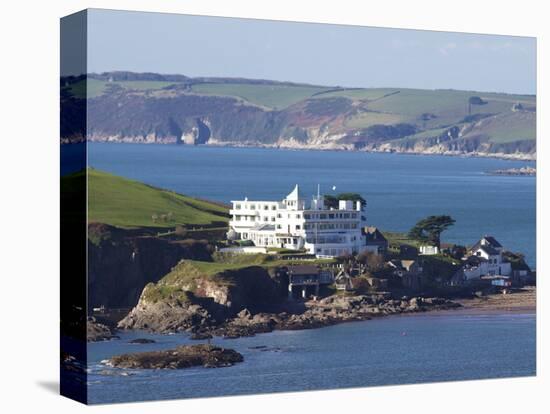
(399, 189)
(408, 349)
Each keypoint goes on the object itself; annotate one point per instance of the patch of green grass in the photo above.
(225, 262)
(270, 96)
(509, 127)
(401, 239)
(161, 291)
(449, 106)
(367, 119)
(359, 94)
(96, 87)
(126, 203)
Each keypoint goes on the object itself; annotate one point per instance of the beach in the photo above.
(522, 300)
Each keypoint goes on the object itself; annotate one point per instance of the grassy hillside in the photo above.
(126, 203)
(98, 87)
(270, 96)
(164, 108)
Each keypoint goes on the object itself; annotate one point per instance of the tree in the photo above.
(430, 229)
(332, 201)
(372, 261)
(474, 100)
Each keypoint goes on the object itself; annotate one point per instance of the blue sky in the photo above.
(322, 54)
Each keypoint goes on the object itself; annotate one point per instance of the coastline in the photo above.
(523, 300)
(330, 147)
(298, 147)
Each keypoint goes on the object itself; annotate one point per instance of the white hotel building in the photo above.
(293, 224)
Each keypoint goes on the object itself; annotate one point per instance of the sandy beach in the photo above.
(522, 300)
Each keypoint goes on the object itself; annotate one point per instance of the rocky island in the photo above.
(531, 171)
(186, 356)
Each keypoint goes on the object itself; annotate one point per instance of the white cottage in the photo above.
(293, 223)
(485, 259)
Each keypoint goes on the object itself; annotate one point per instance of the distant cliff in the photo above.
(152, 108)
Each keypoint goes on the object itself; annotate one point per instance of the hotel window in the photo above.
(237, 206)
(307, 216)
(297, 216)
(331, 216)
(323, 216)
(278, 226)
(272, 218)
(266, 218)
(297, 227)
(279, 215)
(238, 218)
(266, 207)
(252, 206)
(273, 207)
(354, 215)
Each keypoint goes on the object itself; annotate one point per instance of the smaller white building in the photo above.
(428, 250)
(485, 259)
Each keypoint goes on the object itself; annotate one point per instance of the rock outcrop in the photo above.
(189, 300)
(97, 331)
(208, 356)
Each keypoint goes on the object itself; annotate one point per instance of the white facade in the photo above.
(429, 250)
(491, 264)
(295, 224)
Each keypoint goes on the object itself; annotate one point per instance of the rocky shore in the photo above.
(186, 356)
(328, 311)
(315, 314)
(529, 171)
(97, 331)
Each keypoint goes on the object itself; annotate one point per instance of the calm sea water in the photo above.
(392, 350)
(400, 189)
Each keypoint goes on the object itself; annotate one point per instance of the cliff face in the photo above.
(120, 264)
(138, 117)
(189, 299)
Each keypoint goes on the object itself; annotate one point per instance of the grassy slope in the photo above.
(449, 106)
(187, 271)
(127, 203)
(389, 106)
(271, 96)
(97, 87)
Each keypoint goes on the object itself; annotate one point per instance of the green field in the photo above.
(270, 96)
(369, 94)
(97, 87)
(367, 119)
(126, 203)
(510, 127)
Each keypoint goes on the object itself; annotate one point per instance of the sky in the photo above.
(322, 54)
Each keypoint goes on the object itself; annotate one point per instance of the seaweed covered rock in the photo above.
(185, 356)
